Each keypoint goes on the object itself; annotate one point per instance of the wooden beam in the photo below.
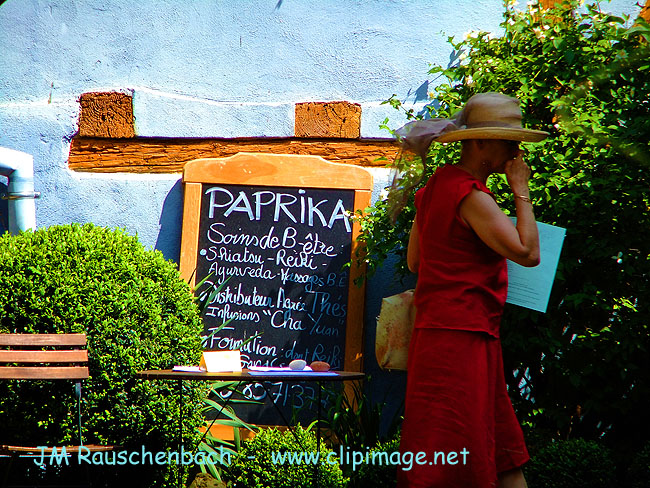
(645, 11)
(42, 339)
(546, 4)
(143, 155)
(42, 373)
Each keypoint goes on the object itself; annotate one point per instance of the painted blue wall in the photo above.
(211, 68)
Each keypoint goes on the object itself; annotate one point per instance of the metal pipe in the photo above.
(18, 167)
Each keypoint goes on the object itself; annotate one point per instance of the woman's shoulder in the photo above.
(464, 180)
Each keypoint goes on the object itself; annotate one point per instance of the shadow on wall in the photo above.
(422, 92)
(171, 217)
(384, 386)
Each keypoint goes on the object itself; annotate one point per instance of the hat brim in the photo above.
(509, 134)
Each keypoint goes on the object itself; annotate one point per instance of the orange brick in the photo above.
(106, 114)
(328, 119)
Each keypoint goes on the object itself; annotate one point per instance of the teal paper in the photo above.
(531, 287)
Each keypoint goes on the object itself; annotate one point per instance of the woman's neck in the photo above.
(479, 170)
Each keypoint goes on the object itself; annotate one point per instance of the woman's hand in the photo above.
(518, 173)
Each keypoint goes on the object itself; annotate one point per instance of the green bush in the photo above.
(584, 76)
(639, 471)
(575, 463)
(378, 475)
(258, 464)
(356, 421)
(137, 313)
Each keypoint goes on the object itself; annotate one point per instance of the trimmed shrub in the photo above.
(575, 463)
(375, 474)
(137, 313)
(639, 471)
(267, 461)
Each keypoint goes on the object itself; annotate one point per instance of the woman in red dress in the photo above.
(458, 412)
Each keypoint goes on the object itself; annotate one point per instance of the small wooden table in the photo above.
(247, 377)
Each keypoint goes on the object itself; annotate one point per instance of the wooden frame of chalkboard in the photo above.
(224, 202)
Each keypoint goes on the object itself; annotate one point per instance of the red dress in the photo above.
(458, 420)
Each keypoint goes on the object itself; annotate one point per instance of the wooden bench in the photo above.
(45, 357)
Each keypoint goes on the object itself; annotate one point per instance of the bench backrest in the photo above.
(43, 356)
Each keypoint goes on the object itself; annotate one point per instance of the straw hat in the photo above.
(490, 116)
(485, 116)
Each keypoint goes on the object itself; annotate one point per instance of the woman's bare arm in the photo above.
(413, 251)
(520, 244)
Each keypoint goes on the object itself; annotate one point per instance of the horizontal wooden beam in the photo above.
(645, 11)
(44, 373)
(38, 451)
(42, 339)
(144, 155)
(56, 356)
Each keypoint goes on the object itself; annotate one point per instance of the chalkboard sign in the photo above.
(274, 231)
